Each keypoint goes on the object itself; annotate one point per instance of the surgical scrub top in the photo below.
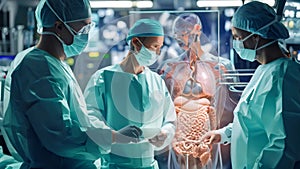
(122, 99)
(46, 115)
(261, 133)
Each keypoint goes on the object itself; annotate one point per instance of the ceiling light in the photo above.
(111, 4)
(228, 3)
(219, 3)
(144, 4)
(121, 4)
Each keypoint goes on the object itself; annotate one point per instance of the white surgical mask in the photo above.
(146, 57)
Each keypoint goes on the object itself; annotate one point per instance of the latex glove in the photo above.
(159, 139)
(211, 138)
(127, 134)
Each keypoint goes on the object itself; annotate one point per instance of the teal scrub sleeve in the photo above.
(58, 129)
(8, 162)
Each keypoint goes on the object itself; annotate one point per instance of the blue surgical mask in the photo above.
(146, 57)
(250, 54)
(76, 48)
(79, 44)
(247, 54)
(80, 38)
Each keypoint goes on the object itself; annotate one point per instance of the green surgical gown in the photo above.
(267, 119)
(46, 115)
(122, 99)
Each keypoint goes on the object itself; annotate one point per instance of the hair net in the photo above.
(145, 28)
(185, 23)
(255, 15)
(49, 11)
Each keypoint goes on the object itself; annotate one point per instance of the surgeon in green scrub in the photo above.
(129, 93)
(265, 130)
(46, 123)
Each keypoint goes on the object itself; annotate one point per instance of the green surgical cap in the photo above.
(50, 11)
(255, 15)
(145, 28)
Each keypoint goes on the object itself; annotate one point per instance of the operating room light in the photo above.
(121, 4)
(111, 4)
(218, 3)
(298, 14)
(144, 4)
(227, 3)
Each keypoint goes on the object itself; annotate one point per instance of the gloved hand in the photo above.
(127, 134)
(211, 137)
(159, 139)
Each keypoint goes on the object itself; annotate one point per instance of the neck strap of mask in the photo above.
(51, 33)
(267, 44)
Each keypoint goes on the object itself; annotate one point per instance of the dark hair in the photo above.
(142, 39)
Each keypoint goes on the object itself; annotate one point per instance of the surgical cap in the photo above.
(145, 28)
(185, 23)
(255, 15)
(50, 11)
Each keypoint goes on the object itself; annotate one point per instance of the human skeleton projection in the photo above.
(193, 81)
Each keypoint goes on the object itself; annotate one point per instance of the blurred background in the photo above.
(113, 19)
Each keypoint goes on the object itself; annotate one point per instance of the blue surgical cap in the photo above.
(185, 23)
(145, 28)
(255, 15)
(50, 11)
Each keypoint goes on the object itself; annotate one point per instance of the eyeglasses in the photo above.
(84, 30)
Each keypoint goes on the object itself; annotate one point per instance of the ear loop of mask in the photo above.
(139, 41)
(135, 51)
(256, 32)
(143, 44)
(54, 34)
(265, 45)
